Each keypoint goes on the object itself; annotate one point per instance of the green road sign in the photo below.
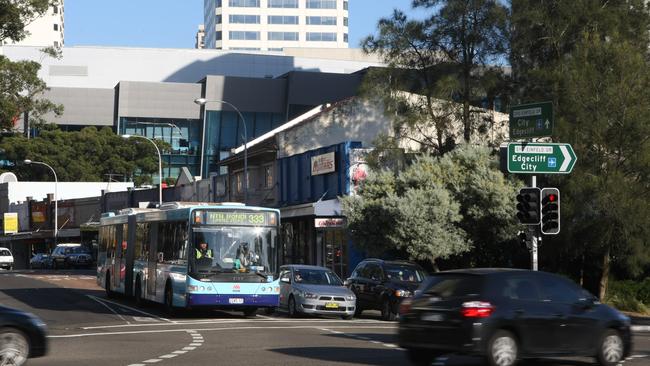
(531, 120)
(540, 158)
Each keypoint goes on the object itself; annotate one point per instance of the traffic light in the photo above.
(550, 211)
(528, 206)
(523, 239)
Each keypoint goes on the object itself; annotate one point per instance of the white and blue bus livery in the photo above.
(189, 255)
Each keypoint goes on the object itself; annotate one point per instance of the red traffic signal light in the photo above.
(550, 211)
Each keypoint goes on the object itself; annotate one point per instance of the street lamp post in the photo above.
(159, 165)
(203, 102)
(56, 198)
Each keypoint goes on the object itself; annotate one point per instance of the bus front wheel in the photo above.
(169, 300)
(250, 312)
(139, 301)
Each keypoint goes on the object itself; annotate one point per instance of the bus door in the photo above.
(117, 271)
(152, 261)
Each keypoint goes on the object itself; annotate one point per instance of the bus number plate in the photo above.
(236, 300)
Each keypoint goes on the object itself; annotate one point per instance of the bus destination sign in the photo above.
(236, 218)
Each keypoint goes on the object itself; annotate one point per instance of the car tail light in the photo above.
(477, 309)
(405, 306)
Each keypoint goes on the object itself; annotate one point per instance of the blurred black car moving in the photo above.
(22, 336)
(382, 285)
(509, 315)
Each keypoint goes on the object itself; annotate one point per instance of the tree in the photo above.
(445, 59)
(438, 207)
(85, 156)
(21, 89)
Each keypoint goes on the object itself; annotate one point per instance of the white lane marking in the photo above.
(231, 321)
(389, 345)
(109, 308)
(137, 364)
(144, 319)
(640, 328)
(188, 348)
(169, 356)
(128, 307)
(211, 330)
(153, 360)
(195, 335)
(375, 342)
(179, 352)
(196, 344)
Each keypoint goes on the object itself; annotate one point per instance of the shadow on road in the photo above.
(380, 337)
(360, 356)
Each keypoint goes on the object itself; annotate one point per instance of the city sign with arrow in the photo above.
(540, 158)
(531, 120)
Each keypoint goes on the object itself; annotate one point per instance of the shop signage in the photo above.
(323, 164)
(39, 212)
(330, 222)
(11, 222)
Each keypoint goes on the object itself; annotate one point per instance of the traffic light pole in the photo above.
(534, 234)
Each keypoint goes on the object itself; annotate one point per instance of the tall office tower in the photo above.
(47, 30)
(200, 37)
(274, 24)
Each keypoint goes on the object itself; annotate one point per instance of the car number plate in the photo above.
(332, 305)
(236, 300)
(432, 317)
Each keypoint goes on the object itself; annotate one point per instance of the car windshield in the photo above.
(316, 277)
(234, 249)
(81, 250)
(404, 273)
(4, 253)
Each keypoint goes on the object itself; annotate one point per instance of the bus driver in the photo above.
(203, 252)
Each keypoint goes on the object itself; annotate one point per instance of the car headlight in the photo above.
(350, 297)
(36, 321)
(403, 293)
(306, 295)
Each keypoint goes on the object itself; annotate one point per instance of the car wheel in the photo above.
(387, 311)
(502, 349)
(139, 301)
(357, 309)
(250, 312)
(421, 357)
(169, 300)
(293, 311)
(611, 348)
(14, 347)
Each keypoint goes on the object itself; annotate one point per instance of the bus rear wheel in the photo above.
(109, 292)
(139, 301)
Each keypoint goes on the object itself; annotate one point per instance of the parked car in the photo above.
(40, 260)
(79, 257)
(22, 336)
(6, 259)
(314, 290)
(382, 285)
(507, 315)
(60, 254)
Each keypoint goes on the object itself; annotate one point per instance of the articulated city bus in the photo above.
(189, 255)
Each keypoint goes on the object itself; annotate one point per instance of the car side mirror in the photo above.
(347, 282)
(285, 280)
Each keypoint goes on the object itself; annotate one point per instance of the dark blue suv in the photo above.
(507, 315)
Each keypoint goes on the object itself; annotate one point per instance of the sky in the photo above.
(173, 23)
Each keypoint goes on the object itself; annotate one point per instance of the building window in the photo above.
(218, 3)
(217, 19)
(283, 36)
(56, 44)
(219, 36)
(321, 20)
(283, 19)
(244, 3)
(345, 37)
(321, 4)
(268, 176)
(244, 36)
(244, 19)
(321, 37)
(345, 21)
(283, 3)
(239, 182)
(56, 9)
(345, 5)
(56, 27)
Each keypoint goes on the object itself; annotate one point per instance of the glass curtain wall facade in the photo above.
(184, 136)
(225, 131)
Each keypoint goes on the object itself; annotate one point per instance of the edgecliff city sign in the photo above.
(540, 158)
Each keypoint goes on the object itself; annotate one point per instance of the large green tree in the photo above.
(590, 58)
(436, 208)
(87, 155)
(21, 90)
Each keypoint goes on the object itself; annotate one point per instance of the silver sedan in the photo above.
(314, 290)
